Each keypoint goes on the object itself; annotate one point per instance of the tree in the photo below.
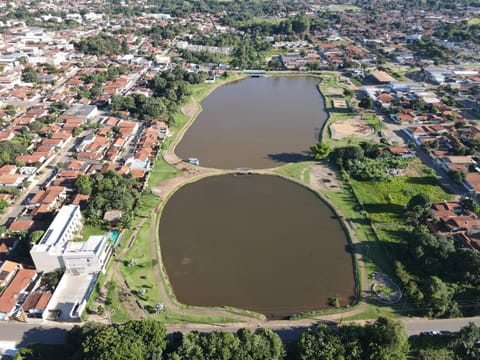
(420, 200)
(320, 343)
(301, 24)
(30, 75)
(386, 339)
(348, 92)
(471, 205)
(35, 236)
(458, 176)
(467, 342)
(366, 103)
(436, 354)
(437, 296)
(418, 208)
(77, 131)
(320, 150)
(274, 64)
(83, 184)
(152, 332)
(341, 156)
(352, 339)
(262, 344)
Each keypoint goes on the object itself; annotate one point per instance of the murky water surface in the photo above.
(255, 242)
(256, 123)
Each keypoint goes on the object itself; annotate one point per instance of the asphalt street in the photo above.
(17, 335)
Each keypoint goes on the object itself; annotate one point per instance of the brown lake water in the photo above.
(255, 242)
(256, 123)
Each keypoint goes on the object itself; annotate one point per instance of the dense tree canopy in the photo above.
(10, 149)
(109, 191)
(384, 339)
(263, 344)
(102, 44)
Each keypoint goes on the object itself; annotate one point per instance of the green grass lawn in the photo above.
(162, 171)
(473, 21)
(114, 303)
(274, 52)
(374, 121)
(355, 82)
(374, 312)
(141, 274)
(295, 170)
(382, 205)
(342, 8)
(385, 200)
(89, 230)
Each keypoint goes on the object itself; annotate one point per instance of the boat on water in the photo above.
(193, 161)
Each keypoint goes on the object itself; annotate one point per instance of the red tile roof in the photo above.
(20, 282)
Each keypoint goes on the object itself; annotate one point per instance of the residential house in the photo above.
(36, 303)
(49, 197)
(8, 269)
(16, 291)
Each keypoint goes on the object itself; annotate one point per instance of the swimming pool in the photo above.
(114, 235)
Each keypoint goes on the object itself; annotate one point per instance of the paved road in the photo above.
(19, 335)
(417, 326)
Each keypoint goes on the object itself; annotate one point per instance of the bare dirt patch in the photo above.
(351, 128)
(324, 178)
(190, 109)
(334, 91)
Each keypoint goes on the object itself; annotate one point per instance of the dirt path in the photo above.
(324, 178)
(126, 297)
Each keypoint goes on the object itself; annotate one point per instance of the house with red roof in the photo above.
(16, 292)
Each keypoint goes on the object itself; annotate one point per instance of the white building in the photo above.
(70, 297)
(56, 250)
(89, 256)
(47, 254)
(83, 111)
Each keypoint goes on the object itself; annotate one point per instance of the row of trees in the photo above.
(146, 339)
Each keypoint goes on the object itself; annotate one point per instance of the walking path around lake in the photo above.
(193, 173)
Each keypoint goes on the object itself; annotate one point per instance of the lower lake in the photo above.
(255, 242)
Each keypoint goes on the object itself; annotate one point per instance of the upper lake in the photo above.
(256, 123)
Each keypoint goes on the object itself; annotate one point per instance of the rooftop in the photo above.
(71, 291)
(80, 110)
(91, 245)
(11, 295)
(57, 227)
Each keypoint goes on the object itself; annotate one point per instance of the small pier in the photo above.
(243, 171)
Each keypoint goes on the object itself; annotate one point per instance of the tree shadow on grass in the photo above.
(290, 157)
(384, 208)
(381, 253)
(424, 180)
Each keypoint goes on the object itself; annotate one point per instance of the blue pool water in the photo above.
(114, 235)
